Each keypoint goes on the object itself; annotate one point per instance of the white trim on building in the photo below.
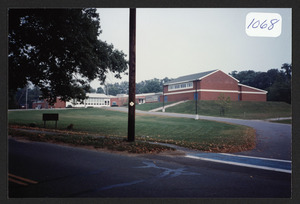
(252, 88)
(214, 90)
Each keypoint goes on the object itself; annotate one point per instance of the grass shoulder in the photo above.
(237, 109)
(85, 140)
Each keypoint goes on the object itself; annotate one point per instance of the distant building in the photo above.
(122, 99)
(119, 100)
(102, 100)
(209, 86)
(43, 104)
(93, 100)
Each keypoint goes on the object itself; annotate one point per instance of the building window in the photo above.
(187, 85)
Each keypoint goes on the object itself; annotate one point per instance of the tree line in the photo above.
(276, 81)
(147, 86)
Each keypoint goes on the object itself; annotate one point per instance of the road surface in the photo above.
(48, 170)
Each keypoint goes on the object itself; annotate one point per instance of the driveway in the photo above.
(273, 140)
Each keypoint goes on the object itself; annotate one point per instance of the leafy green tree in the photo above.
(19, 99)
(112, 89)
(92, 90)
(100, 90)
(276, 82)
(59, 51)
(151, 86)
(224, 103)
(280, 90)
(124, 87)
(288, 71)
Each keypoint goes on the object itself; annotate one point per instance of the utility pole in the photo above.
(26, 96)
(132, 49)
(196, 102)
(163, 98)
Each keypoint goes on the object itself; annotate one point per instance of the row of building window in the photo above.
(98, 104)
(93, 101)
(181, 86)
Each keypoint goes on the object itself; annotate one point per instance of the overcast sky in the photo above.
(176, 42)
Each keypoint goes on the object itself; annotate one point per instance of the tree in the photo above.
(58, 50)
(280, 90)
(276, 82)
(19, 99)
(112, 89)
(92, 90)
(288, 70)
(100, 90)
(151, 86)
(224, 103)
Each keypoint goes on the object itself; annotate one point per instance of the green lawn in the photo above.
(197, 134)
(238, 109)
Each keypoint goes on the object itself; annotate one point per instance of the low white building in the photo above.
(93, 100)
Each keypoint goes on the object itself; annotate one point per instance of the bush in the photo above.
(70, 127)
(32, 124)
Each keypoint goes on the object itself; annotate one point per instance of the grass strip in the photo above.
(237, 109)
(287, 121)
(114, 144)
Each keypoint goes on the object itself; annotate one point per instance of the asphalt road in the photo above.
(48, 170)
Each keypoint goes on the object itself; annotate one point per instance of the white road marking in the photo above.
(262, 158)
(240, 164)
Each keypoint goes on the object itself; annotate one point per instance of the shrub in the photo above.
(70, 127)
(32, 124)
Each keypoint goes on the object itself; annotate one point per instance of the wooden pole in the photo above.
(196, 102)
(132, 49)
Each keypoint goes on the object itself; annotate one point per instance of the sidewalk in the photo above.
(280, 118)
(173, 104)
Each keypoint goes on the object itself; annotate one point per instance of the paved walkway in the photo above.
(274, 140)
(167, 106)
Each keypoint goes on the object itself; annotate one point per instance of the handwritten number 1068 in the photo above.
(264, 24)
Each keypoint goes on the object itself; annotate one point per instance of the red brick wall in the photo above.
(245, 88)
(215, 95)
(181, 97)
(254, 97)
(219, 81)
(119, 101)
(59, 104)
(44, 104)
(124, 100)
